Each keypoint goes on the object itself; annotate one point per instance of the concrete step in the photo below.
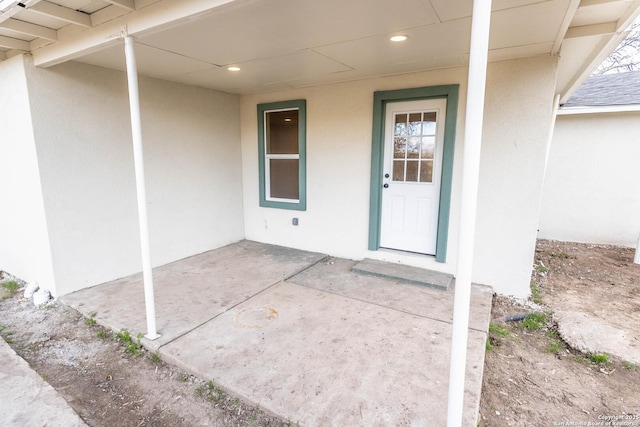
(404, 273)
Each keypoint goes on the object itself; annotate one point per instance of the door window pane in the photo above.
(412, 171)
(398, 170)
(426, 171)
(428, 147)
(401, 125)
(399, 147)
(413, 147)
(415, 124)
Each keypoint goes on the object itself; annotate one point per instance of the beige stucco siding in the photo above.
(591, 187)
(24, 243)
(339, 126)
(83, 136)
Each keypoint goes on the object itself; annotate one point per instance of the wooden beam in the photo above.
(62, 13)
(592, 30)
(587, 3)
(11, 43)
(28, 28)
(126, 4)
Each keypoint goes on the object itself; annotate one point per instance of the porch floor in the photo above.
(302, 335)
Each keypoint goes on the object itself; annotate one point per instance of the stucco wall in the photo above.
(591, 187)
(24, 244)
(82, 131)
(339, 124)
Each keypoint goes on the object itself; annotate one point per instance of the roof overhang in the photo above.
(283, 44)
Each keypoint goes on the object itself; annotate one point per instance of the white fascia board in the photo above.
(153, 17)
(598, 110)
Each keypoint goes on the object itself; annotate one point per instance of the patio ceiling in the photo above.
(282, 44)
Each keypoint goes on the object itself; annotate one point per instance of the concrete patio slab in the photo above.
(28, 400)
(404, 273)
(302, 335)
(336, 276)
(322, 359)
(191, 291)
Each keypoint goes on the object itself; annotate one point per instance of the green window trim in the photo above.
(380, 100)
(301, 106)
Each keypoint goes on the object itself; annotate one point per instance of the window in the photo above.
(282, 154)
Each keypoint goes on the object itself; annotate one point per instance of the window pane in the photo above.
(428, 147)
(398, 170)
(429, 124)
(399, 146)
(415, 122)
(401, 125)
(282, 132)
(426, 171)
(284, 178)
(413, 147)
(412, 171)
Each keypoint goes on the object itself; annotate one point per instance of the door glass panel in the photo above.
(426, 171)
(399, 147)
(429, 124)
(413, 147)
(414, 142)
(282, 132)
(398, 170)
(401, 125)
(428, 147)
(412, 171)
(415, 124)
(283, 176)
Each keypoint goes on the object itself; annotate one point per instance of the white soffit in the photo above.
(288, 43)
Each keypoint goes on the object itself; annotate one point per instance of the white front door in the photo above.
(413, 144)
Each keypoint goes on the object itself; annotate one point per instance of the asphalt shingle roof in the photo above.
(608, 89)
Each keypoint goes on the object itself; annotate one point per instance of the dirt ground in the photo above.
(531, 376)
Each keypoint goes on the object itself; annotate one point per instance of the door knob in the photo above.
(386, 186)
(386, 175)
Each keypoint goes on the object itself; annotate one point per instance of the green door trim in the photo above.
(380, 100)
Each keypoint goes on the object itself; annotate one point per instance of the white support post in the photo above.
(480, 24)
(136, 134)
(636, 258)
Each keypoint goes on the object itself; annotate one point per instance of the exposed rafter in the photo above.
(566, 23)
(592, 30)
(126, 4)
(11, 43)
(29, 29)
(62, 13)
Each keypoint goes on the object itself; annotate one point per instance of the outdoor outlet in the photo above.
(295, 221)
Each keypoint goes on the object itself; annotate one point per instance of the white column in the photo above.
(636, 258)
(480, 25)
(136, 134)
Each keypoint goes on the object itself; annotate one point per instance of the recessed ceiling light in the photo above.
(233, 68)
(287, 119)
(398, 38)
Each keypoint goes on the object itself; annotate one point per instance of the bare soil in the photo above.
(531, 377)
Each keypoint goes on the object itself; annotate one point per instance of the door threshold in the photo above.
(406, 253)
